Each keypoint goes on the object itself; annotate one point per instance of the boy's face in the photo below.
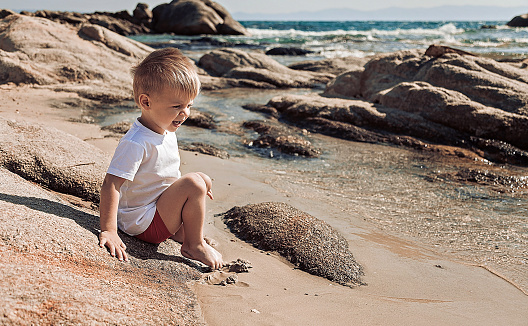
(165, 110)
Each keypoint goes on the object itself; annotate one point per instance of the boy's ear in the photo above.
(144, 101)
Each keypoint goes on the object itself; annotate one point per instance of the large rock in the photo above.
(194, 17)
(53, 272)
(52, 158)
(142, 14)
(346, 85)
(460, 99)
(519, 21)
(307, 242)
(88, 59)
(258, 67)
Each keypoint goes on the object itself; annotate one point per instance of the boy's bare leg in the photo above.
(179, 236)
(184, 202)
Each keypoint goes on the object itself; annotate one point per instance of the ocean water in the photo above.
(388, 186)
(363, 38)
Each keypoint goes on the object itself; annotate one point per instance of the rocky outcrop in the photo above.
(194, 17)
(450, 98)
(88, 59)
(307, 242)
(257, 67)
(53, 272)
(119, 22)
(519, 21)
(52, 158)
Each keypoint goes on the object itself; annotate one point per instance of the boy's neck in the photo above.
(151, 126)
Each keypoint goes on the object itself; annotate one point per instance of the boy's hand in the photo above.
(210, 194)
(114, 244)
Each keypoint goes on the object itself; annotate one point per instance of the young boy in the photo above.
(143, 193)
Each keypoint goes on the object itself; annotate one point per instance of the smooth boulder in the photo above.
(194, 17)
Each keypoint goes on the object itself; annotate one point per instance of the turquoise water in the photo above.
(363, 38)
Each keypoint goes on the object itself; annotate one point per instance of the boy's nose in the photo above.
(186, 112)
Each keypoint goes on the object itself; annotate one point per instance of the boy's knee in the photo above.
(196, 181)
(205, 178)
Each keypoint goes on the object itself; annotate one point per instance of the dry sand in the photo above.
(408, 283)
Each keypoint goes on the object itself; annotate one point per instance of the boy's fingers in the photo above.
(102, 242)
(119, 254)
(112, 249)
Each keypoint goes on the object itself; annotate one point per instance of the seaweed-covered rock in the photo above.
(276, 136)
(201, 119)
(307, 242)
(204, 149)
(119, 127)
(288, 51)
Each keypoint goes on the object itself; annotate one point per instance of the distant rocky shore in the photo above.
(183, 17)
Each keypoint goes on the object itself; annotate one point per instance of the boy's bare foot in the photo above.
(203, 253)
(178, 238)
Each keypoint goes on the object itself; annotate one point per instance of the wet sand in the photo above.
(409, 282)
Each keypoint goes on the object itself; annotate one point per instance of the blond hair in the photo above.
(166, 68)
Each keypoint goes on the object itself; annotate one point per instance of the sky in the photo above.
(250, 6)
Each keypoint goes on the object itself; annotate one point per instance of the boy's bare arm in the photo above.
(108, 217)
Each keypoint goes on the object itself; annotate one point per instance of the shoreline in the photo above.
(408, 282)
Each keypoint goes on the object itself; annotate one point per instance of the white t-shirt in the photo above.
(150, 163)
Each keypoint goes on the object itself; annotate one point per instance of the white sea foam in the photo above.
(330, 39)
(447, 29)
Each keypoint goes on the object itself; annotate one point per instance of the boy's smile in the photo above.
(165, 110)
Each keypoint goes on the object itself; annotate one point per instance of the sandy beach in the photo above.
(408, 282)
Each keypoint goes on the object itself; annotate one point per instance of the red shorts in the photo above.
(156, 232)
